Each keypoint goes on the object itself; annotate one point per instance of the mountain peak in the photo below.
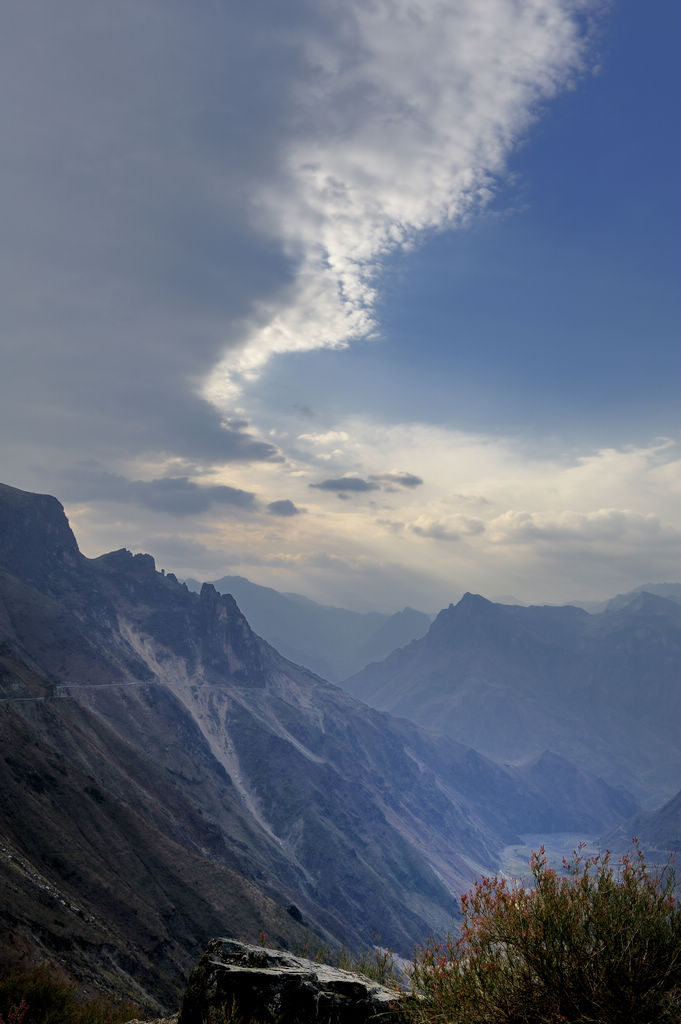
(647, 604)
(35, 535)
(473, 601)
(471, 612)
(468, 604)
(122, 560)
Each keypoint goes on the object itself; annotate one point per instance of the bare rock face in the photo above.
(274, 987)
(35, 537)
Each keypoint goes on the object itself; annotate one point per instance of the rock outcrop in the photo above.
(271, 986)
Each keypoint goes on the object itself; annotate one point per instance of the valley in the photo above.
(515, 858)
(169, 776)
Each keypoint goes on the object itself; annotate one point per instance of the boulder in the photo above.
(273, 987)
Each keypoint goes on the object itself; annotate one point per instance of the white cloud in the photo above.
(493, 515)
(448, 528)
(398, 478)
(490, 516)
(404, 114)
(329, 437)
(605, 526)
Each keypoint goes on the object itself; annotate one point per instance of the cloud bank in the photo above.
(284, 507)
(399, 479)
(345, 484)
(404, 116)
(492, 516)
(171, 495)
(189, 190)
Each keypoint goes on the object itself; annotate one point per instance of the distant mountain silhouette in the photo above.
(600, 690)
(333, 642)
(671, 591)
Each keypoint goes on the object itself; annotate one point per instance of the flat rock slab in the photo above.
(156, 1020)
(274, 987)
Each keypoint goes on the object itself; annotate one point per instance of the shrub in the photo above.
(15, 1014)
(377, 964)
(39, 997)
(600, 944)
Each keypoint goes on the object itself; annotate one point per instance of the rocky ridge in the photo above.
(167, 775)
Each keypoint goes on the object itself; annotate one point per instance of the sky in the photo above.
(375, 301)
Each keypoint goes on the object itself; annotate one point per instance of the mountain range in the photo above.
(603, 691)
(167, 776)
(333, 642)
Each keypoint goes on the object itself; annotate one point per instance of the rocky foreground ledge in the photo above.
(270, 986)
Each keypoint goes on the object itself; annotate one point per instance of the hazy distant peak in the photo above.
(334, 642)
(645, 602)
(468, 604)
(406, 613)
(549, 759)
(468, 600)
(668, 591)
(474, 600)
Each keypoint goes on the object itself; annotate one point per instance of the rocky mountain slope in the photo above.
(333, 642)
(600, 690)
(168, 776)
(659, 832)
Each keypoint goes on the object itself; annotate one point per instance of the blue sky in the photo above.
(377, 303)
(560, 303)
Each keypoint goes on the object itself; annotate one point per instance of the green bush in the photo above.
(39, 997)
(600, 944)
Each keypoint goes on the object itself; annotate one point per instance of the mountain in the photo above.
(658, 832)
(168, 776)
(669, 590)
(672, 591)
(333, 642)
(600, 690)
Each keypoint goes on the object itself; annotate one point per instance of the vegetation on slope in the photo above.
(40, 997)
(601, 945)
